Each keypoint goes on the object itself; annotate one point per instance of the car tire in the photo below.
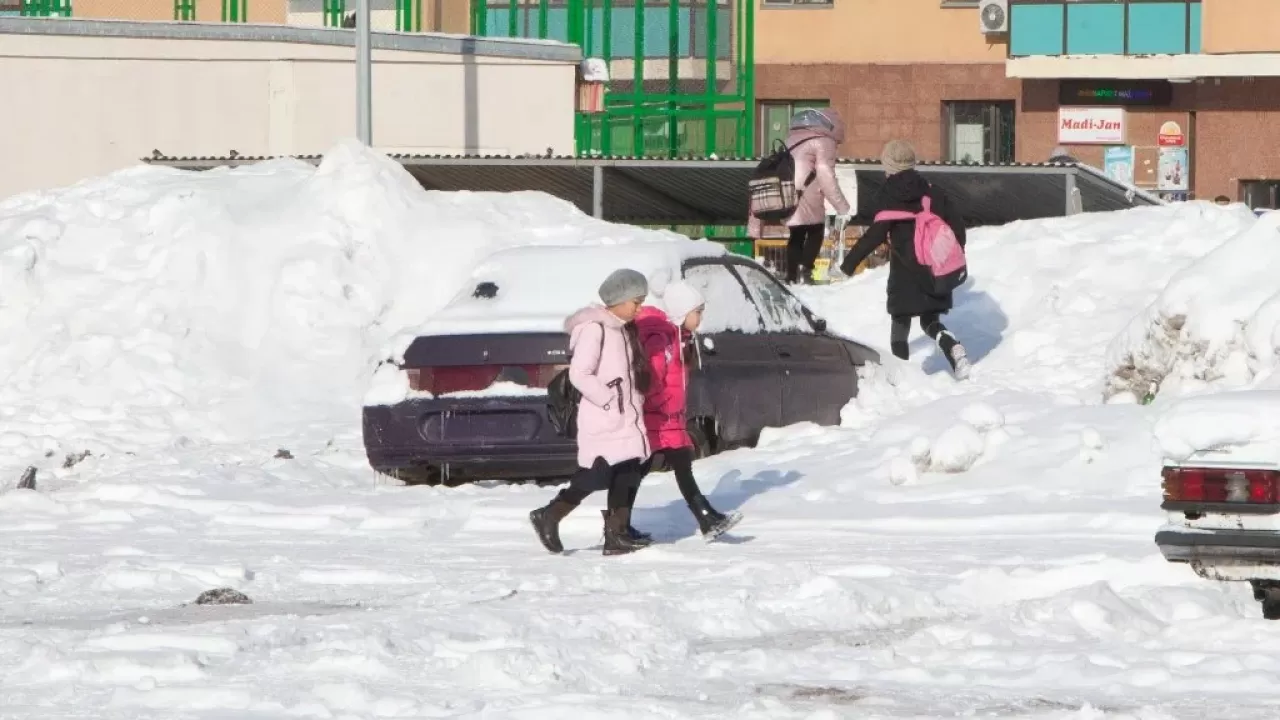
(701, 437)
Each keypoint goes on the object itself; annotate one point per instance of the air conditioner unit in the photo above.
(994, 15)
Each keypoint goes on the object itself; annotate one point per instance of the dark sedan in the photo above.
(478, 408)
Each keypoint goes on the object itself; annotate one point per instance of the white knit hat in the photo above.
(679, 299)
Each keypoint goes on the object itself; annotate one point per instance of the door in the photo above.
(739, 374)
(818, 375)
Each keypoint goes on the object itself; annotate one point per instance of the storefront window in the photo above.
(980, 132)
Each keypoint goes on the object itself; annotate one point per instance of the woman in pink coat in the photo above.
(607, 366)
(813, 139)
(667, 341)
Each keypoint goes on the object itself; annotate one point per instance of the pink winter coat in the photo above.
(664, 403)
(817, 152)
(610, 424)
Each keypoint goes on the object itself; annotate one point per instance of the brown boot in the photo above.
(546, 522)
(617, 539)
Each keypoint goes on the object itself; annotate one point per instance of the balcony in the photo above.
(1103, 27)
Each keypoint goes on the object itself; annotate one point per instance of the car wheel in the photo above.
(698, 433)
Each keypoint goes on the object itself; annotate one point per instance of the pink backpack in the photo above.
(936, 246)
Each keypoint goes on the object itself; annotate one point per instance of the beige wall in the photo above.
(873, 31)
(449, 16)
(260, 11)
(92, 105)
(1229, 26)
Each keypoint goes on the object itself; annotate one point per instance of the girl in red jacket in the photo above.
(667, 340)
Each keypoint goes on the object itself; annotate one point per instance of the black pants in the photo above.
(802, 250)
(930, 324)
(621, 481)
(680, 460)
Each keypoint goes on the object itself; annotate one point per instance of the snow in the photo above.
(953, 549)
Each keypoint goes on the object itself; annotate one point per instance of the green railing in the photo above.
(651, 113)
(235, 11)
(184, 10)
(45, 8)
(408, 14)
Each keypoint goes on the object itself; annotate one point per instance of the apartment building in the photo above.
(1179, 96)
(449, 16)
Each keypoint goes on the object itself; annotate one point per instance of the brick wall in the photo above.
(1237, 125)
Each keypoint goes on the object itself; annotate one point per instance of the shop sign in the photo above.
(1091, 126)
(1171, 135)
(1150, 93)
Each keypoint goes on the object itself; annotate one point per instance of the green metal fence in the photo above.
(655, 111)
(235, 11)
(45, 8)
(184, 10)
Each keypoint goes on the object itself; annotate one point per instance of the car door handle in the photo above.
(784, 353)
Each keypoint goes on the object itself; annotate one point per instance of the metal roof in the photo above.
(652, 191)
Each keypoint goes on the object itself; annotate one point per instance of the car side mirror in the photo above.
(819, 324)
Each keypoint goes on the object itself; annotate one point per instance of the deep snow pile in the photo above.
(956, 549)
(1216, 325)
(156, 307)
(1045, 297)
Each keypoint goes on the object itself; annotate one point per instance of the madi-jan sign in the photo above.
(1091, 126)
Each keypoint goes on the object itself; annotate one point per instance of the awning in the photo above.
(644, 191)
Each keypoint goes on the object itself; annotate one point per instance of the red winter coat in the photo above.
(664, 403)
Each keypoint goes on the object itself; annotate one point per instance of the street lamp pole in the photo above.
(364, 75)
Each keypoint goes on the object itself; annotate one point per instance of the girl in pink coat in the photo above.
(607, 366)
(667, 341)
(814, 138)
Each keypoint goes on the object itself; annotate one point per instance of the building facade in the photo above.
(450, 16)
(1178, 96)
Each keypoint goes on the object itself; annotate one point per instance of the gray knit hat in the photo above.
(898, 155)
(621, 286)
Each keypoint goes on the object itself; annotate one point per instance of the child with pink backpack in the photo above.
(926, 239)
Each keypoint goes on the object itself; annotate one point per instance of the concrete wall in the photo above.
(86, 103)
(874, 31)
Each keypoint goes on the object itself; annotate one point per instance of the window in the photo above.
(1260, 193)
(1104, 27)
(781, 310)
(775, 119)
(979, 132)
(728, 307)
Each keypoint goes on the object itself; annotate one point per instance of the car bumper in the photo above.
(1224, 554)
(408, 440)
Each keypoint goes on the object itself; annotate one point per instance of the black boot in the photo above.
(711, 522)
(640, 538)
(617, 541)
(546, 522)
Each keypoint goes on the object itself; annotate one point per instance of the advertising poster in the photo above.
(1117, 163)
(1171, 172)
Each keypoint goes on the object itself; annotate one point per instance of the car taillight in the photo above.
(445, 379)
(1213, 485)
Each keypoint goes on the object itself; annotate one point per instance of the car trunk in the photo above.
(1215, 491)
(488, 389)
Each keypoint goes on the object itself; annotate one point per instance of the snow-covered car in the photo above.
(1221, 481)
(467, 398)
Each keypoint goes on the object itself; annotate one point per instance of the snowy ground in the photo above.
(955, 550)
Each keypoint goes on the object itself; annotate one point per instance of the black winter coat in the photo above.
(908, 279)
